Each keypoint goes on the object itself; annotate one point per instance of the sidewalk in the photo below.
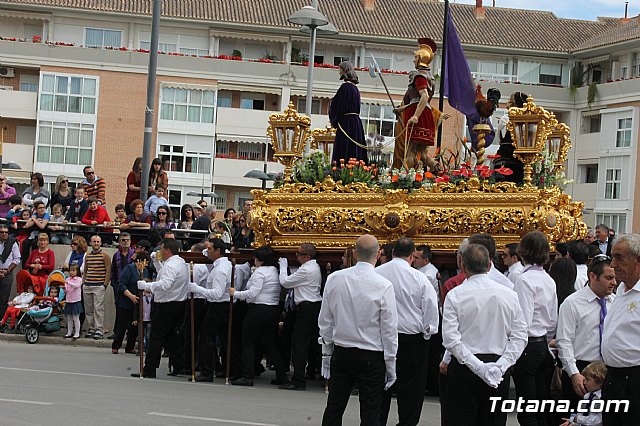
(57, 339)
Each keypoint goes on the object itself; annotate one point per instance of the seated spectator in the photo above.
(35, 192)
(121, 215)
(6, 192)
(62, 194)
(163, 219)
(21, 232)
(37, 223)
(58, 237)
(138, 218)
(49, 302)
(156, 200)
(77, 208)
(187, 216)
(15, 207)
(38, 266)
(96, 215)
(21, 301)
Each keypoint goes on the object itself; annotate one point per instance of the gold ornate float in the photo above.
(333, 215)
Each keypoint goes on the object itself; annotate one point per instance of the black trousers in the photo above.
(5, 291)
(532, 376)
(622, 384)
(567, 386)
(305, 329)
(240, 308)
(259, 328)
(348, 366)
(468, 396)
(165, 320)
(411, 371)
(125, 325)
(214, 325)
(199, 310)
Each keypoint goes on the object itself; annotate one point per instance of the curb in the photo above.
(58, 340)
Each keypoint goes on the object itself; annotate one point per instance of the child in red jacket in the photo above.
(96, 215)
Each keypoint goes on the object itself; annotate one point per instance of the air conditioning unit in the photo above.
(7, 72)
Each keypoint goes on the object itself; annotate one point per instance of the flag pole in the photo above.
(443, 67)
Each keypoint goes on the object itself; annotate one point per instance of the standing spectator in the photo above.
(6, 192)
(35, 192)
(73, 306)
(76, 255)
(133, 184)
(537, 296)
(97, 214)
(603, 239)
(458, 279)
(137, 218)
(9, 259)
(203, 223)
(243, 235)
(304, 293)
(489, 243)
(77, 208)
(422, 261)
(590, 237)
(579, 252)
(59, 236)
(62, 194)
(157, 176)
(121, 258)
(228, 217)
(38, 266)
(417, 305)
(94, 186)
(203, 204)
(156, 200)
(512, 261)
(169, 292)
(484, 329)
(95, 279)
(121, 215)
(620, 343)
(247, 206)
(163, 219)
(386, 254)
(186, 217)
(563, 272)
(349, 258)
(359, 334)
(39, 219)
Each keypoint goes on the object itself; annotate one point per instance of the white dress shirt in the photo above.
(263, 288)
(14, 256)
(359, 311)
(171, 285)
(431, 273)
(582, 276)
(499, 277)
(305, 282)
(514, 271)
(620, 342)
(200, 274)
(416, 300)
(481, 317)
(537, 296)
(579, 329)
(243, 273)
(219, 281)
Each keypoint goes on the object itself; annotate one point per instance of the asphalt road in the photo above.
(46, 384)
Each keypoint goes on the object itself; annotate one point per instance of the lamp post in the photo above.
(289, 133)
(529, 126)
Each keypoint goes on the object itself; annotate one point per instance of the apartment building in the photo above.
(74, 80)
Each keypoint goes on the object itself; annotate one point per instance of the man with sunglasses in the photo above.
(9, 259)
(620, 342)
(121, 258)
(94, 186)
(580, 324)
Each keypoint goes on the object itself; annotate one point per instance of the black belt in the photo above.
(538, 339)
(306, 303)
(623, 371)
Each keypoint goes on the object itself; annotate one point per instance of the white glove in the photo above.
(193, 288)
(493, 376)
(325, 370)
(142, 285)
(389, 379)
(283, 263)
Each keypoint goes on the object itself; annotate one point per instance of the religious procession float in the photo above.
(331, 191)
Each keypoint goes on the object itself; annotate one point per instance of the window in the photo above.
(162, 47)
(489, 70)
(221, 199)
(194, 52)
(339, 57)
(190, 105)
(595, 124)
(588, 173)
(222, 148)
(98, 37)
(623, 137)
(377, 120)
(65, 143)
(68, 94)
(612, 184)
(596, 76)
(29, 83)
(383, 63)
(624, 72)
(252, 101)
(224, 99)
(550, 73)
(617, 222)
(315, 105)
(185, 153)
(250, 151)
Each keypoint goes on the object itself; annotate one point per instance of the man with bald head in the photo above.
(359, 335)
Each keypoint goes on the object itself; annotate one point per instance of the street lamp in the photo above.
(203, 194)
(289, 133)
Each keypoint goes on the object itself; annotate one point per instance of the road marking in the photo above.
(210, 419)
(25, 402)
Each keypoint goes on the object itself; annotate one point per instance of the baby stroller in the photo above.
(47, 319)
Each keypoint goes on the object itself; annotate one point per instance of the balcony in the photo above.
(17, 104)
(228, 171)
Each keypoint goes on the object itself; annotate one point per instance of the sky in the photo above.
(578, 9)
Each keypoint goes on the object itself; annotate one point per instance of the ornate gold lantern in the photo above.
(289, 133)
(529, 127)
(323, 140)
(558, 144)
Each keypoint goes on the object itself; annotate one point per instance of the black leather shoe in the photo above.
(277, 382)
(242, 382)
(291, 386)
(176, 372)
(145, 374)
(204, 378)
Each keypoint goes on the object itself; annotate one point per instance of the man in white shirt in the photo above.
(488, 242)
(417, 306)
(620, 342)
(359, 334)
(537, 297)
(579, 252)
(169, 292)
(9, 260)
(422, 261)
(215, 320)
(304, 293)
(484, 329)
(511, 260)
(579, 326)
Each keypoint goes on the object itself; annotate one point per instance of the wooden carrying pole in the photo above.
(193, 332)
(141, 265)
(229, 324)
